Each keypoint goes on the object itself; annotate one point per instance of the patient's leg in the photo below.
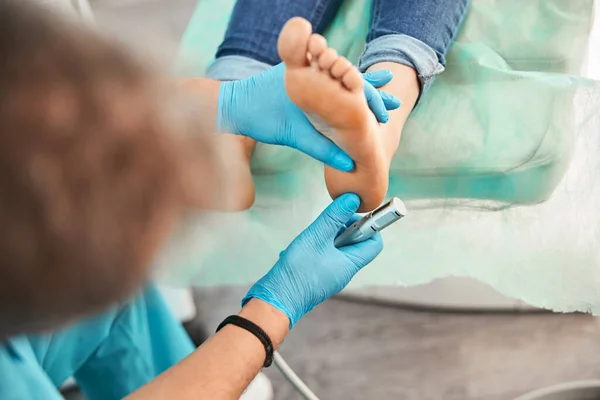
(250, 47)
(328, 87)
(410, 38)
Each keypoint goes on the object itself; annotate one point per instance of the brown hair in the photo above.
(88, 182)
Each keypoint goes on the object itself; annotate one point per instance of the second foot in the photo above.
(229, 176)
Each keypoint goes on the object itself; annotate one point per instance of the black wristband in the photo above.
(253, 329)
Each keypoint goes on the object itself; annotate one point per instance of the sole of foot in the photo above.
(328, 87)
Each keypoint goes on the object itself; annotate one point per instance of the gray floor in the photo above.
(352, 351)
(357, 351)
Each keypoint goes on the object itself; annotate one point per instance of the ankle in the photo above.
(405, 86)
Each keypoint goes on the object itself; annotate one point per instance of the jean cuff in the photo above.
(233, 68)
(406, 50)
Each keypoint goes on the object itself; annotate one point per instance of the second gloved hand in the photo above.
(259, 107)
(312, 269)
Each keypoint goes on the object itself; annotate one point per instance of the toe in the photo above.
(353, 80)
(340, 67)
(317, 45)
(293, 42)
(327, 58)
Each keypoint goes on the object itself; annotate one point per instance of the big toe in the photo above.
(293, 42)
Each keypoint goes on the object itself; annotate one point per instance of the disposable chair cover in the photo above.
(498, 165)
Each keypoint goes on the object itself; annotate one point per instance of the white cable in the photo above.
(292, 378)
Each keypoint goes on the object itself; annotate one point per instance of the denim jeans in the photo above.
(416, 33)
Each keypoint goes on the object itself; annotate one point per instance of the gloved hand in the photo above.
(311, 269)
(259, 107)
(379, 101)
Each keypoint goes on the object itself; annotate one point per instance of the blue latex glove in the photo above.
(312, 269)
(259, 107)
(379, 101)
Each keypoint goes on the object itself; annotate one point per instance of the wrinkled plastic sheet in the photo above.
(499, 167)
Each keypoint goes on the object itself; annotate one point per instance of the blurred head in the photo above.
(90, 170)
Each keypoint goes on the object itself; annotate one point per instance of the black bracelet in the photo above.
(253, 329)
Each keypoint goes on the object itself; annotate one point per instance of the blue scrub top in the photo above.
(21, 376)
(110, 355)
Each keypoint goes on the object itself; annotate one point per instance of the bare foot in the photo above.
(326, 86)
(231, 178)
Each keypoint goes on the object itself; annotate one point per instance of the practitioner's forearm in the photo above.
(225, 365)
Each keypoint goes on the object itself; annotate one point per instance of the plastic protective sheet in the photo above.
(498, 165)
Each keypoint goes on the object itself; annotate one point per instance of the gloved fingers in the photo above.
(335, 216)
(381, 78)
(379, 102)
(363, 253)
(378, 78)
(390, 101)
(352, 220)
(322, 149)
(376, 103)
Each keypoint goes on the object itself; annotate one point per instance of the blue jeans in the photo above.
(416, 33)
